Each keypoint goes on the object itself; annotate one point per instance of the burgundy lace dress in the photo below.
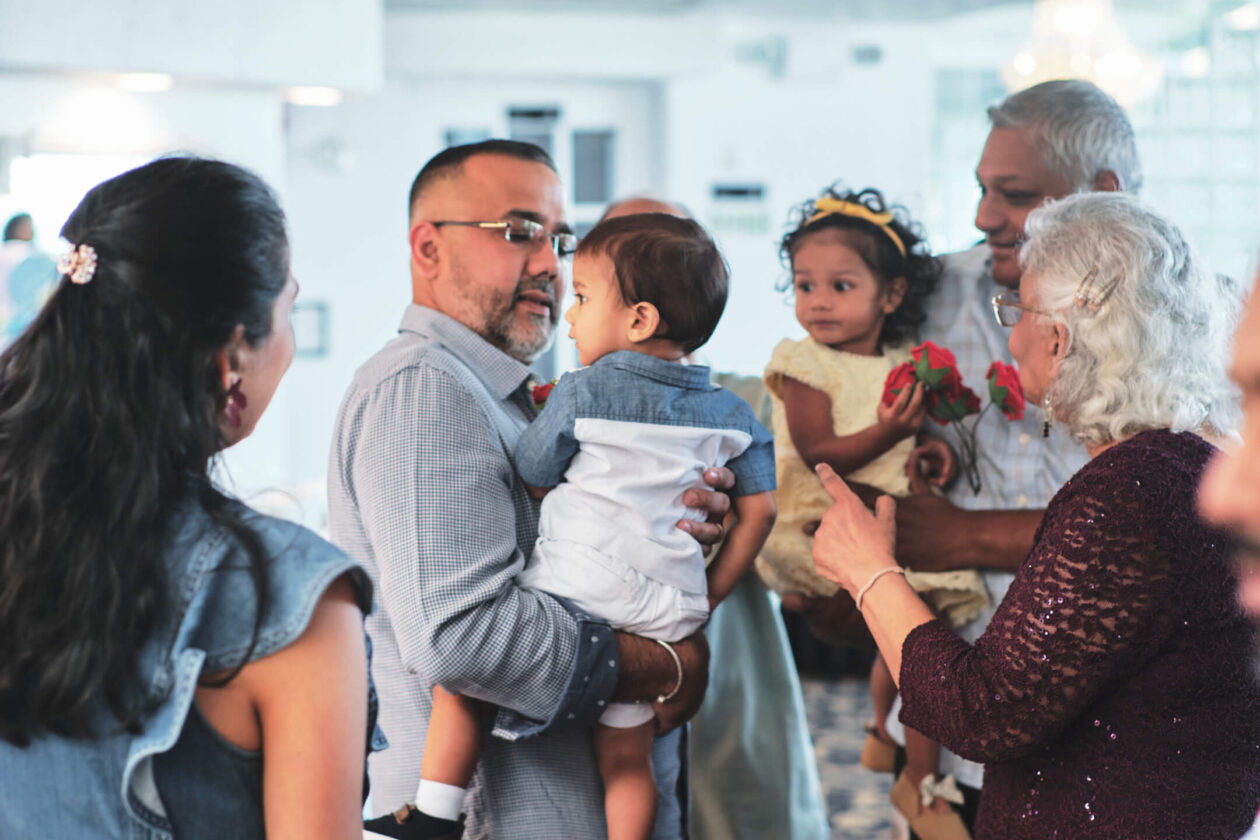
(1113, 694)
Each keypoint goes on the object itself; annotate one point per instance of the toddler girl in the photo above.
(860, 276)
(622, 439)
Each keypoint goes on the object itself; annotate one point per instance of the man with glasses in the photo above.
(1046, 142)
(422, 491)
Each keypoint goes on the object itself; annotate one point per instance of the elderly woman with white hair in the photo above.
(1112, 694)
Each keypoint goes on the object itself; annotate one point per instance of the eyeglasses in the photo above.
(525, 232)
(1007, 308)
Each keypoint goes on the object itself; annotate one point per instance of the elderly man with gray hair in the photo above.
(1113, 693)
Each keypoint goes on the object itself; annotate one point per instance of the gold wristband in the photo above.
(665, 698)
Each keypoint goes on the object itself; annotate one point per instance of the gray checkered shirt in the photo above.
(422, 492)
(1018, 467)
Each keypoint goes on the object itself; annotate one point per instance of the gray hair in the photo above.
(1155, 352)
(1080, 131)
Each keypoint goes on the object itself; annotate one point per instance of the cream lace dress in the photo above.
(855, 384)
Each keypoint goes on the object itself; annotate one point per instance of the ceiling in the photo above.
(850, 9)
(867, 9)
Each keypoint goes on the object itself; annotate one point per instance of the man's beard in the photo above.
(502, 329)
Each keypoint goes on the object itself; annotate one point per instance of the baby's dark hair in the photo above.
(877, 250)
(670, 263)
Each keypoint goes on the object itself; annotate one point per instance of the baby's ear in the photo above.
(894, 294)
(645, 319)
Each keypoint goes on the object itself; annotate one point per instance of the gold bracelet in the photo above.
(887, 570)
(664, 698)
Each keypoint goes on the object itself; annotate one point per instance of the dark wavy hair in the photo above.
(669, 262)
(108, 407)
(921, 270)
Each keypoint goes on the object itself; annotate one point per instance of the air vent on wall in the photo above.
(738, 192)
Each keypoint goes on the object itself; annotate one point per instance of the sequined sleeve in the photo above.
(1092, 603)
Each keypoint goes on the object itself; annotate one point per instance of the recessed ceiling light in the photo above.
(145, 82)
(1245, 17)
(318, 96)
(1196, 63)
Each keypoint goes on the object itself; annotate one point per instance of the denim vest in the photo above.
(177, 776)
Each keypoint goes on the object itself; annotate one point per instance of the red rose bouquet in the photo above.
(949, 401)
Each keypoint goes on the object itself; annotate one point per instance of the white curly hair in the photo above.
(1155, 353)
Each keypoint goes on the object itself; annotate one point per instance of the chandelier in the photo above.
(1080, 39)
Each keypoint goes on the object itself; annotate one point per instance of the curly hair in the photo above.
(1154, 354)
(108, 425)
(920, 269)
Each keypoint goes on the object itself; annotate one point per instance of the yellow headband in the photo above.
(835, 206)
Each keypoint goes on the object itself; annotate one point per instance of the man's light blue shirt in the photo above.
(423, 492)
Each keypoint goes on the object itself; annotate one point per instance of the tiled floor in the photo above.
(857, 799)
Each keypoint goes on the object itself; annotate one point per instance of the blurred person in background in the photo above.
(27, 277)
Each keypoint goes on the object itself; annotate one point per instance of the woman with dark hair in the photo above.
(160, 638)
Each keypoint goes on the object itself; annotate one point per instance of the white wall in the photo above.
(243, 126)
(230, 60)
(254, 42)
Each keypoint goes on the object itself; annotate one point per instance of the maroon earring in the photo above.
(235, 402)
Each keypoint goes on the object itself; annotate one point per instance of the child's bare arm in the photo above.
(883, 693)
(809, 423)
(751, 520)
(922, 754)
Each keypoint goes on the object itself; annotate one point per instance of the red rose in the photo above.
(952, 405)
(541, 392)
(1005, 391)
(899, 378)
(937, 367)
(947, 398)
